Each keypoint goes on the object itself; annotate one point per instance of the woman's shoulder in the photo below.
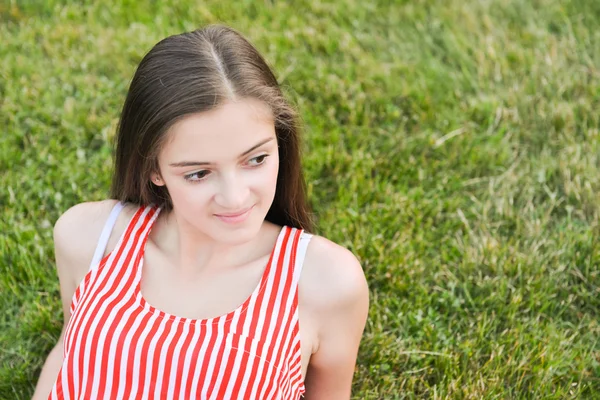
(332, 277)
(78, 229)
(83, 221)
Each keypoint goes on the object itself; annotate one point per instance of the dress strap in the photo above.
(108, 226)
(300, 253)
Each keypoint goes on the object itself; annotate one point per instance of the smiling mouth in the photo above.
(233, 215)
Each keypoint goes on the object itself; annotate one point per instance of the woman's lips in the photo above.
(235, 218)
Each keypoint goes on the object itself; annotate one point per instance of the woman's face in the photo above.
(220, 168)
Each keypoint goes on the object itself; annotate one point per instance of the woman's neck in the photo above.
(194, 252)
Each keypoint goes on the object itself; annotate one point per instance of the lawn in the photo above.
(453, 146)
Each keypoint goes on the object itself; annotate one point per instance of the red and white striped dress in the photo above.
(117, 346)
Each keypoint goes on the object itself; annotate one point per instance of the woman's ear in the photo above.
(156, 179)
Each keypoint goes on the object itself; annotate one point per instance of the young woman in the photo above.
(200, 278)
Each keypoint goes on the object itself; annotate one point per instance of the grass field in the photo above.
(454, 146)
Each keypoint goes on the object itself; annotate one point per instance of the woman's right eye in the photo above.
(196, 176)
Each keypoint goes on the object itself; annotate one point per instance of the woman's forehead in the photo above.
(226, 131)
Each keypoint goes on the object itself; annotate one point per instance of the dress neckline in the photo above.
(142, 303)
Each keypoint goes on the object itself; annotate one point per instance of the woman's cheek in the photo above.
(267, 179)
(274, 169)
(188, 193)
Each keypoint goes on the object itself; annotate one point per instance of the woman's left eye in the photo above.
(258, 160)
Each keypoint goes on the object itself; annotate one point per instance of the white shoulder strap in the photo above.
(103, 241)
(300, 253)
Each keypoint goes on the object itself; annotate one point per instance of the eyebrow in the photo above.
(193, 163)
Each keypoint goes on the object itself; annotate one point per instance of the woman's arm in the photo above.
(75, 235)
(337, 298)
(49, 371)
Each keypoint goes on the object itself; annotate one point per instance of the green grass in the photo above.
(454, 146)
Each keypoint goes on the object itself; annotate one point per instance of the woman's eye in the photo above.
(196, 176)
(258, 160)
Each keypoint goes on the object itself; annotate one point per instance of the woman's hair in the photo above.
(194, 72)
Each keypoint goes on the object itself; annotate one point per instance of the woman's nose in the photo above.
(233, 193)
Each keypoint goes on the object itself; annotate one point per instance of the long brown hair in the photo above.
(194, 72)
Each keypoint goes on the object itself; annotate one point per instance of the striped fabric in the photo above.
(117, 346)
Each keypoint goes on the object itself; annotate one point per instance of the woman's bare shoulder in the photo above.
(77, 230)
(332, 276)
(334, 295)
